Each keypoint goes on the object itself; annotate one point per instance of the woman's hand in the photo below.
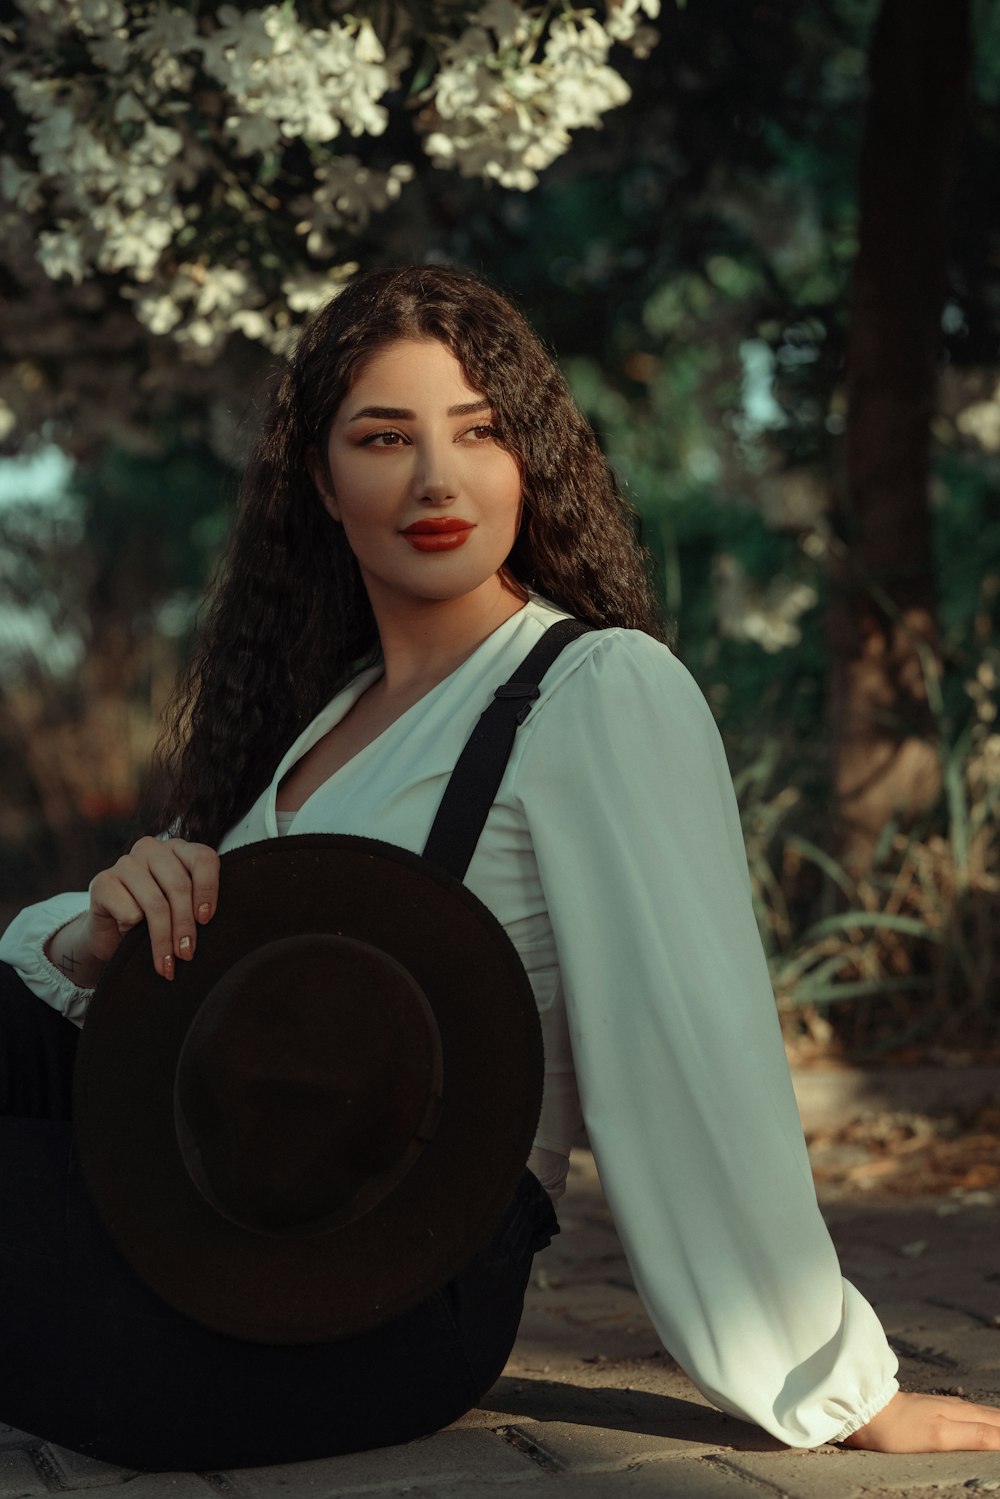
(930, 1423)
(170, 884)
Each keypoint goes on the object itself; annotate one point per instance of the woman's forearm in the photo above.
(68, 951)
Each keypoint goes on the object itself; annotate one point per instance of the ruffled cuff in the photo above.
(868, 1413)
(23, 944)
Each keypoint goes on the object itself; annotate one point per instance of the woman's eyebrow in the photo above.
(401, 414)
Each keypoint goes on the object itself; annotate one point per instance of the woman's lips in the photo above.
(442, 534)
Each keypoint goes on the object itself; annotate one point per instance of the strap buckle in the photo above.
(527, 690)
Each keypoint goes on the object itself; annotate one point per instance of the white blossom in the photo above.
(307, 82)
(251, 324)
(158, 311)
(980, 421)
(625, 26)
(346, 196)
(311, 292)
(96, 17)
(52, 137)
(165, 30)
(112, 53)
(128, 107)
(138, 129)
(60, 253)
(507, 21)
(493, 112)
(577, 44)
(253, 134)
(237, 41)
(18, 186)
(767, 615)
(135, 241)
(161, 41)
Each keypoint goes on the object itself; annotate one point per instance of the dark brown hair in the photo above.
(290, 622)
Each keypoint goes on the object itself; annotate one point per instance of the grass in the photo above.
(906, 957)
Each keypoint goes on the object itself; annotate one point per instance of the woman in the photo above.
(424, 501)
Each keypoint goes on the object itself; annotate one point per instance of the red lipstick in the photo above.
(441, 533)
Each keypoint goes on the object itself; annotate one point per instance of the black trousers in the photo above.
(92, 1359)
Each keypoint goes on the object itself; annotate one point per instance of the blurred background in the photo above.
(763, 241)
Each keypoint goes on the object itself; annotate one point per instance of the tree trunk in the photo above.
(881, 623)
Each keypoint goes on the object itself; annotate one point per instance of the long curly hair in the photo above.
(289, 620)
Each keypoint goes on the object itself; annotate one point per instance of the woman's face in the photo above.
(428, 499)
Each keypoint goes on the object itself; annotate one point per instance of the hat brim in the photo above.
(338, 1283)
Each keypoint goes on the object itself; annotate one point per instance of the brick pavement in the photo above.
(591, 1406)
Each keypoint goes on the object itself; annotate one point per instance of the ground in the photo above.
(591, 1407)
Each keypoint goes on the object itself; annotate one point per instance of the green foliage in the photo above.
(966, 540)
(164, 509)
(907, 952)
(691, 264)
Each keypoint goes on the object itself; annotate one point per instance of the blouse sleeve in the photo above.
(22, 946)
(682, 1074)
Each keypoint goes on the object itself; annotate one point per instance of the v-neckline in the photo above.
(352, 692)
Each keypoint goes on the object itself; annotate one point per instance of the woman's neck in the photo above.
(424, 641)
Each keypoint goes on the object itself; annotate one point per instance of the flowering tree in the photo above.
(173, 177)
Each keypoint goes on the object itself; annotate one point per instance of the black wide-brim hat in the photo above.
(325, 1115)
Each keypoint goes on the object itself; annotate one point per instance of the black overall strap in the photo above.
(479, 769)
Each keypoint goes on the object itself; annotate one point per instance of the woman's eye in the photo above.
(484, 433)
(382, 440)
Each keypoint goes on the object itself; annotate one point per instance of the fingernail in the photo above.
(184, 947)
(168, 965)
(204, 911)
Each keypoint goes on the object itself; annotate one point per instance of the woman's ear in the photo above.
(321, 479)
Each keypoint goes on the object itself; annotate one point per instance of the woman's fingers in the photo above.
(972, 1436)
(171, 884)
(930, 1423)
(187, 877)
(161, 899)
(203, 865)
(113, 912)
(960, 1433)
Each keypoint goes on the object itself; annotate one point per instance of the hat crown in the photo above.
(317, 1263)
(308, 1084)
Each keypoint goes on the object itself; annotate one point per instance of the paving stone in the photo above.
(688, 1478)
(916, 1321)
(831, 1474)
(572, 1448)
(972, 1349)
(71, 1470)
(170, 1486)
(684, 1479)
(451, 1458)
(19, 1476)
(486, 1420)
(11, 1437)
(537, 1483)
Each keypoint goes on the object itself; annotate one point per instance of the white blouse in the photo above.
(613, 856)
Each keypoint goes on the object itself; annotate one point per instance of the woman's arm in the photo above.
(681, 1068)
(679, 1059)
(23, 944)
(69, 951)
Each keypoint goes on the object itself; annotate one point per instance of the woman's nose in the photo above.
(435, 478)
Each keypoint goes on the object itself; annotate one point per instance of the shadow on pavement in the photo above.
(650, 1413)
